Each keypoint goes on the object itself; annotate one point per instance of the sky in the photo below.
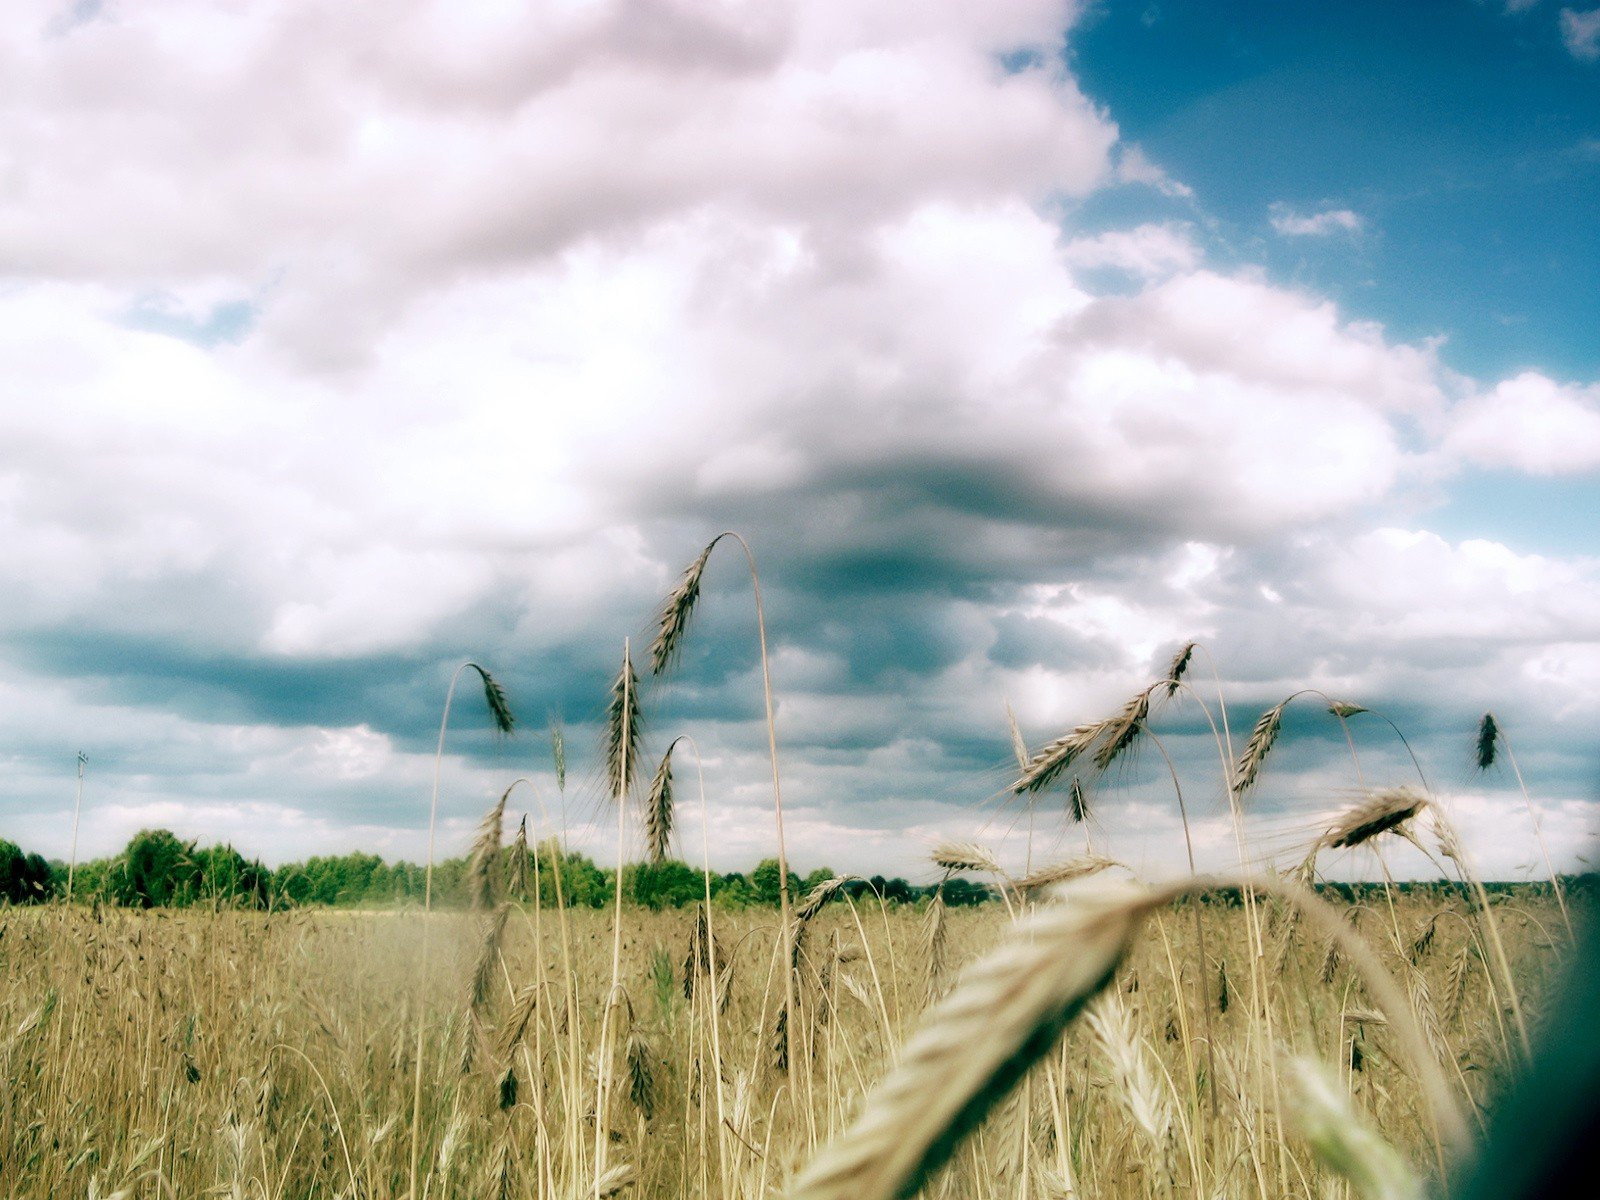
(1023, 341)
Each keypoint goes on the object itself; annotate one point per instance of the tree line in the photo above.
(157, 869)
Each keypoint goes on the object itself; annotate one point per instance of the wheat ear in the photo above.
(973, 1047)
(623, 728)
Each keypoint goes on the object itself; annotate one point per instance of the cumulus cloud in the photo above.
(1580, 33)
(355, 356)
(1148, 251)
(1321, 224)
(1529, 423)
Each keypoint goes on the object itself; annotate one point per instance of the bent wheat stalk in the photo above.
(974, 1046)
(977, 1044)
(495, 697)
(673, 622)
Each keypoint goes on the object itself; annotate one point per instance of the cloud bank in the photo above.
(334, 355)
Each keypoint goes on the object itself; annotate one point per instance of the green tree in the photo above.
(669, 884)
(764, 880)
(24, 878)
(155, 869)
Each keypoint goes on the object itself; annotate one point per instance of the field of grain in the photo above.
(250, 1055)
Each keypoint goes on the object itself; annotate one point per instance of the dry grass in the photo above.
(234, 1054)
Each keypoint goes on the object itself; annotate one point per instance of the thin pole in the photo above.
(77, 811)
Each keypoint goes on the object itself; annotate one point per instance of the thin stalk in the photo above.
(503, 720)
(1533, 815)
(77, 811)
(603, 1081)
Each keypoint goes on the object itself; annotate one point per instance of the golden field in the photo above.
(251, 1055)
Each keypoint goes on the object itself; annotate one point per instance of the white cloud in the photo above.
(1149, 251)
(1529, 423)
(1321, 224)
(343, 177)
(1135, 167)
(1580, 33)
(349, 350)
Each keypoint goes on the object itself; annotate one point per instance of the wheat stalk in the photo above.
(1115, 735)
(1063, 872)
(677, 610)
(972, 1047)
(485, 856)
(658, 810)
(965, 856)
(500, 711)
(1177, 668)
(1488, 739)
(1019, 747)
(1255, 751)
(519, 860)
(1078, 802)
(623, 729)
(1055, 757)
(1343, 1141)
(1379, 812)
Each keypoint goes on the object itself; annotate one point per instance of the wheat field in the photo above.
(253, 1055)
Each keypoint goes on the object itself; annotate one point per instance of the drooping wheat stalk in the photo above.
(1122, 730)
(1378, 812)
(978, 1042)
(494, 933)
(1178, 666)
(519, 860)
(965, 856)
(679, 607)
(1063, 872)
(972, 1048)
(674, 620)
(482, 876)
(658, 811)
(500, 711)
(1055, 757)
(1488, 741)
(1343, 1141)
(1256, 749)
(1111, 738)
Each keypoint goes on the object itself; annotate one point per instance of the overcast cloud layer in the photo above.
(334, 353)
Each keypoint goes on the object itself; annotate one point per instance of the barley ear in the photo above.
(1378, 812)
(675, 613)
(965, 856)
(973, 1047)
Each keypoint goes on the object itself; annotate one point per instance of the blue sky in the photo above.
(1463, 137)
(1025, 341)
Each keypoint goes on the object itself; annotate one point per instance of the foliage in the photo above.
(24, 878)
